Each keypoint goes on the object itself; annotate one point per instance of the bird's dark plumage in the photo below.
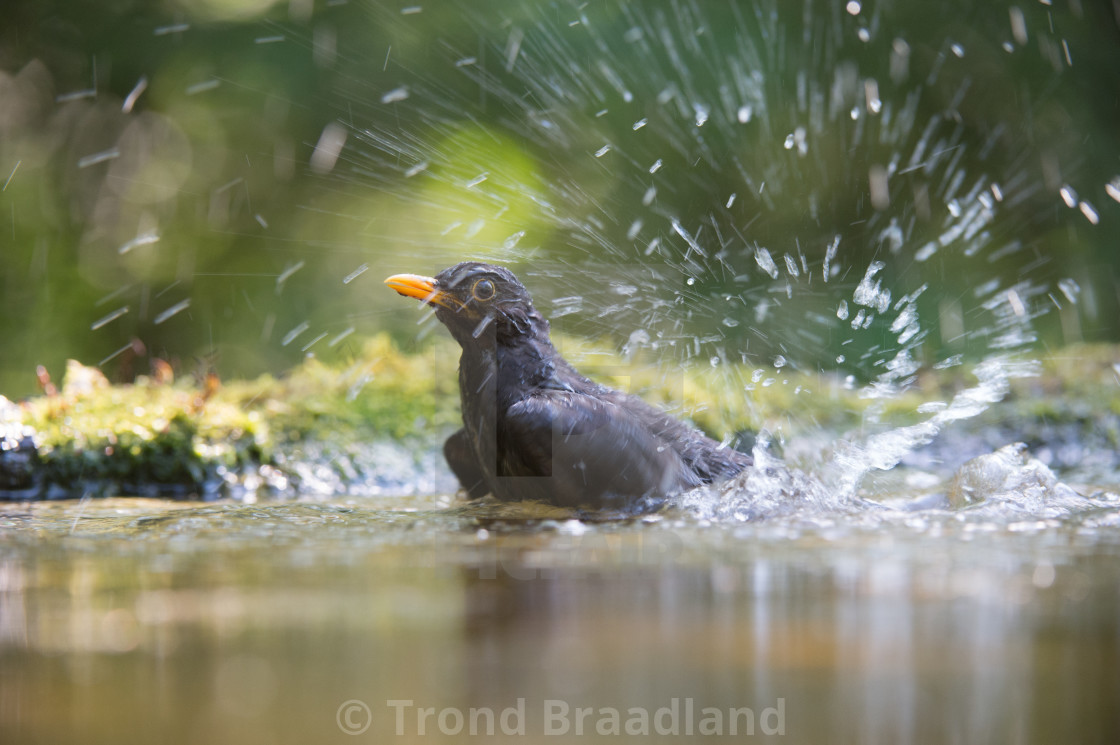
(533, 427)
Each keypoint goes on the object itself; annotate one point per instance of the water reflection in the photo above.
(230, 623)
(878, 651)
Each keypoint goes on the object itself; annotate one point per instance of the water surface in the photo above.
(897, 619)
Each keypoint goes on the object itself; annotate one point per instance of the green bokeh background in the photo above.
(215, 157)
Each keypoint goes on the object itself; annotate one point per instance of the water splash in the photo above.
(1004, 490)
(822, 188)
(779, 110)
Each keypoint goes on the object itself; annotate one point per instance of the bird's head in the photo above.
(473, 298)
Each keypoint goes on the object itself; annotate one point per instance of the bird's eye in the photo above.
(483, 290)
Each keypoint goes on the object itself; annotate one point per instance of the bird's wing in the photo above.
(703, 456)
(584, 450)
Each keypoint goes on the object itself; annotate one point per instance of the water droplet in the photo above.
(355, 274)
(701, 114)
(397, 94)
(1069, 288)
(481, 327)
(1090, 213)
(766, 262)
(1112, 188)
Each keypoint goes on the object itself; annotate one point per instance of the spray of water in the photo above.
(740, 184)
(765, 189)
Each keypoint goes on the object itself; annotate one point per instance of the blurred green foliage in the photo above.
(161, 197)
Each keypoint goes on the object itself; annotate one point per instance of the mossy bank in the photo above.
(375, 423)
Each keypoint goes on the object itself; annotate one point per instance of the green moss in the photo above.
(151, 435)
(168, 437)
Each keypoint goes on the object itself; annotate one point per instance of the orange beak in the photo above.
(422, 288)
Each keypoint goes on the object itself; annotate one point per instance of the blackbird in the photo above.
(533, 427)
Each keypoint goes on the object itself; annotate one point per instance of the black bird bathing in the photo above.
(533, 427)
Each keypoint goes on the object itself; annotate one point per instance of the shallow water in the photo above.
(714, 163)
(893, 619)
